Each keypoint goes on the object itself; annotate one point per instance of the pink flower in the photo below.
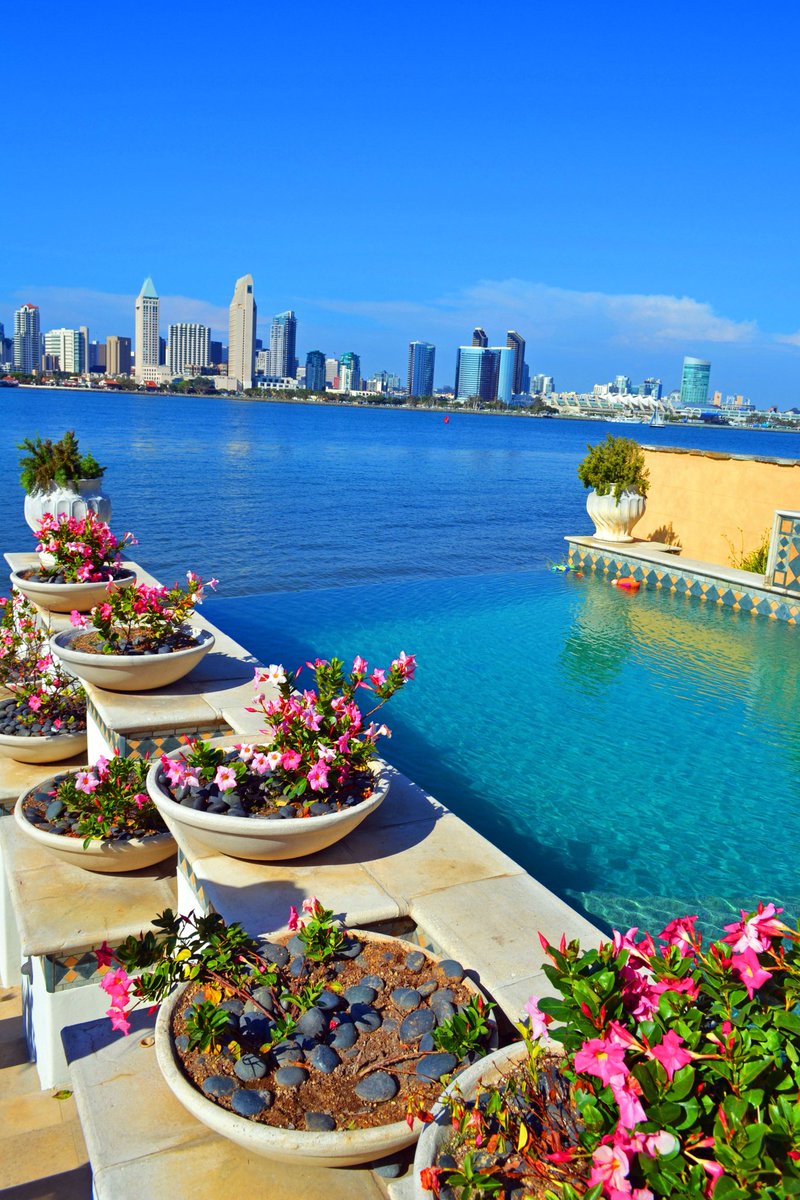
(378, 677)
(174, 770)
(670, 1054)
(311, 719)
(539, 1020)
(86, 782)
(755, 932)
(294, 920)
(119, 1020)
(101, 768)
(406, 663)
(318, 776)
(359, 665)
(631, 1112)
(35, 702)
(681, 933)
(660, 1143)
(140, 800)
(246, 752)
(273, 674)
(602, 1058)
(610, 1166)
(116, 984)
(274, 759)
(77, 619)
(104, 955)
(311, 906)
(749, 970)
(291, 760)
(225, 778)
(260, 763)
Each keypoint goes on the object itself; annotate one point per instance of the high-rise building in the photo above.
(66, 346)
(421, 359)
(516, 343)
(486, 372)
(242, 332)
(118, 356)
(651, 387)
(97, 357)
(315, 371)
(147, 339)
(27, 339)
(332, 372)
(216, 355)
(349, 372)
(479, 337)
(187, 346)
(694, 382)
(282, 343)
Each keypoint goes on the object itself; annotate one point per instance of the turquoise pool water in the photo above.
(639, 754)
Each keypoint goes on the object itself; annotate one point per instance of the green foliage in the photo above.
(465, 1030)
(615, 465)
(321, 935)
(751, 560)
(112, 797)
(471, 1181)
(45, 463)
(205, 1025)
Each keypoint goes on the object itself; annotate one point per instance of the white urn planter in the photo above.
(337, 1148)
(66, 597)
(105, 856)
(73, 500)
(261, 838)
(130, 672)
(42, 748)
(613, 520)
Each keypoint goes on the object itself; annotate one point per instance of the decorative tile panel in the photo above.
(783, 569)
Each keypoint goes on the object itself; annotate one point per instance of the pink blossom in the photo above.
(326, 753)
(311, 719)
(116, 983)
(602, 1058)
(119, 1020)
(749, 970)
(660, 1143)
(225, 778)
(670, 1054)
(631, 1112)
(538, 1020)
(274, 759)
(610, 1166)
(101, 768)
(104, 955)
(294, 920)
(140, 800)
(77, 619)
(681, 933)
(343, 743)
(35, 702)
(246, 752)
(406, 664)
(273, 674)
(86, 782)
(311, 906)
(174, 769)
(260, 763)
(359, 665)
(318, 776)
(755, 932)
(290, 760)
(378, 677)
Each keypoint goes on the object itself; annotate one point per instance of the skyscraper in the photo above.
(282, 344)
(421, 358)
(350, 372)
(27, 339)
(147, 344)
(242, 332)
(486, 372)
(479, 337)
(332, 371)
(516, 343)
(66, 345)
(118, 355)
(187, 346)
(694, 382)
(315, 371)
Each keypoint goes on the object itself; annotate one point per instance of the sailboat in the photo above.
(657, 420)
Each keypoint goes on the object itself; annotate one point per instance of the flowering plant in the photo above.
(81, 550)
(44, 698)
(110, 799)
(144, 620)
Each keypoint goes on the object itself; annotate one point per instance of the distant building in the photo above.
(484, 372)
(217, 354)
(622, 385)
(651, 387)
(118, 356)
(65, 347)
(315, 371)
(479, 337)
(97, 357)
(421, 360)
(262, 362)
(282, 345)
(332, 372)
(27, 339)
(694, 382)
(516, 343)
(187, 347)
(147, 339)
(349, 372)
(242, 332)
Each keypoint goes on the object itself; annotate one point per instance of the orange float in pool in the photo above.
(628, 582)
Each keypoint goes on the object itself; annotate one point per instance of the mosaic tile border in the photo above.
(62, 972)
(686, 583)
(157, 741)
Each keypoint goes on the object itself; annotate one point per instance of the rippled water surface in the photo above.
(637, 753)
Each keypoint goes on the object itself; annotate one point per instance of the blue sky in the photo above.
(617, 182)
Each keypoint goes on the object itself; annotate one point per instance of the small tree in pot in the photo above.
(615, 470)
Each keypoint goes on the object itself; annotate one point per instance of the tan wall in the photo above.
(697, 499)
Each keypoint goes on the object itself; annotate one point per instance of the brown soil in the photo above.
(92, 643)
(379, 1050)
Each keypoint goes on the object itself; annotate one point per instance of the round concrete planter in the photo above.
(257, 837)
(66, 597)
(55, 747)
(103, 855)
(491, 1069)
(614, 521)
(75, 500)
(340, 1148)
(130, 672)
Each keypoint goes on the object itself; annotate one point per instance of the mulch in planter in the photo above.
(137, 644)
(42, 575)
(355, 1058)
(74, 722)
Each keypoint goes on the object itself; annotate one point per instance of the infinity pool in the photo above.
(639, 754)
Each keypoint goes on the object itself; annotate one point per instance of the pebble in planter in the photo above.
(301, 1037)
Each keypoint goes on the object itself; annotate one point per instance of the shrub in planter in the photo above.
(142, 620)
(45, 700)
(46, 464)
(615, 465)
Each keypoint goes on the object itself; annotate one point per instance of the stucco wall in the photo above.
(697, 499)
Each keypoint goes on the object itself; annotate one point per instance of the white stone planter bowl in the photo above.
(614, 521)
(55, 747)
(64, 597)
(101, 855)
(130, 673)
(340, 1148)
(256, 837)
(73, 501)
(436, 1133)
